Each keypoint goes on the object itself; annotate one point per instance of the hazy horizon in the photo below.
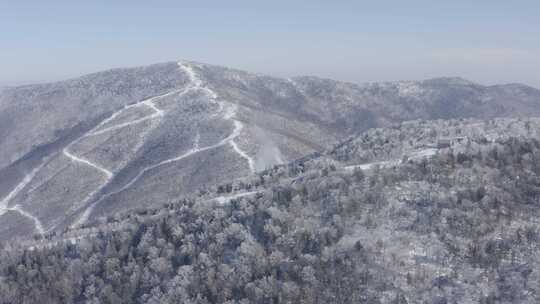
(488, 42)
(31, 82)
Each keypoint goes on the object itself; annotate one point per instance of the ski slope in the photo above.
(228, 112)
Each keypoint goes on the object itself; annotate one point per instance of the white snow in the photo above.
(423, 153)
(409, 89)
(147, 102)
(228, 113)
(26, 180)
(225, 199)
(6, 200)
(243, 154)
(189, 153)
(123, 125)
(108, 173)
(395, 162)
(251, 163)
(37, 222)
(158, 113)
(150, 103)
(368, 166)
(188, 69)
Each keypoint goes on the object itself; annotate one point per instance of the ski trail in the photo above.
(115, 114)
(4, 203)
(236, 132)
(108, 173)
(188, 69)
(158, 113)
(243, 154)
(150, 103)
(239, 126)
(123, 125)
(37, 222)
(147, 102)
(228, 114)
(26, 180)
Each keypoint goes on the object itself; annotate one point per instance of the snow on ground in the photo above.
(123, 125)
(409, 89)
(4, 203)
(369, 166)
(225, 199)
(108, 173)
(37, 222)
(228, 111)
(6, 200)
(423, 153)
(243, 154)
(148, 102)
(30, 176)
(395, 162)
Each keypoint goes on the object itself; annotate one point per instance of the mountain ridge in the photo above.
(403, 225)
(457, 79)
(126, 122)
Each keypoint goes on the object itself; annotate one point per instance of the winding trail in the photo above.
(107, 173)
(158, 113)
(4, 203)
(250, 161)
(123, 125)
(6, 200)
(228, 111)
(37, 222)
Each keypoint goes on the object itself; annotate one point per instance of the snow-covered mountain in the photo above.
(441, 211)
(128, 138)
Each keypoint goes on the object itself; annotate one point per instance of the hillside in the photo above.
(452, 219)
(123, 139)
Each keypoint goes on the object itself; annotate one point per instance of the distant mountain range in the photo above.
(76, 150)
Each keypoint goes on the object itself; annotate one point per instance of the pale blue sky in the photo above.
(485, 41)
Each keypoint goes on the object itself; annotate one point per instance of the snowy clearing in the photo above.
(225, 199)
(395, 162)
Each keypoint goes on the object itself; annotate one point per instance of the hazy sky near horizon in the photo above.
(485, 41)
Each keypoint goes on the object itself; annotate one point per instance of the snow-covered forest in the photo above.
(459, 226)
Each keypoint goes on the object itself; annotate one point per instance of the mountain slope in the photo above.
(455, 226)
(129, 138)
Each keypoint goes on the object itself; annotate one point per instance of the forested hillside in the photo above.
(113, 141)
(456, 225)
